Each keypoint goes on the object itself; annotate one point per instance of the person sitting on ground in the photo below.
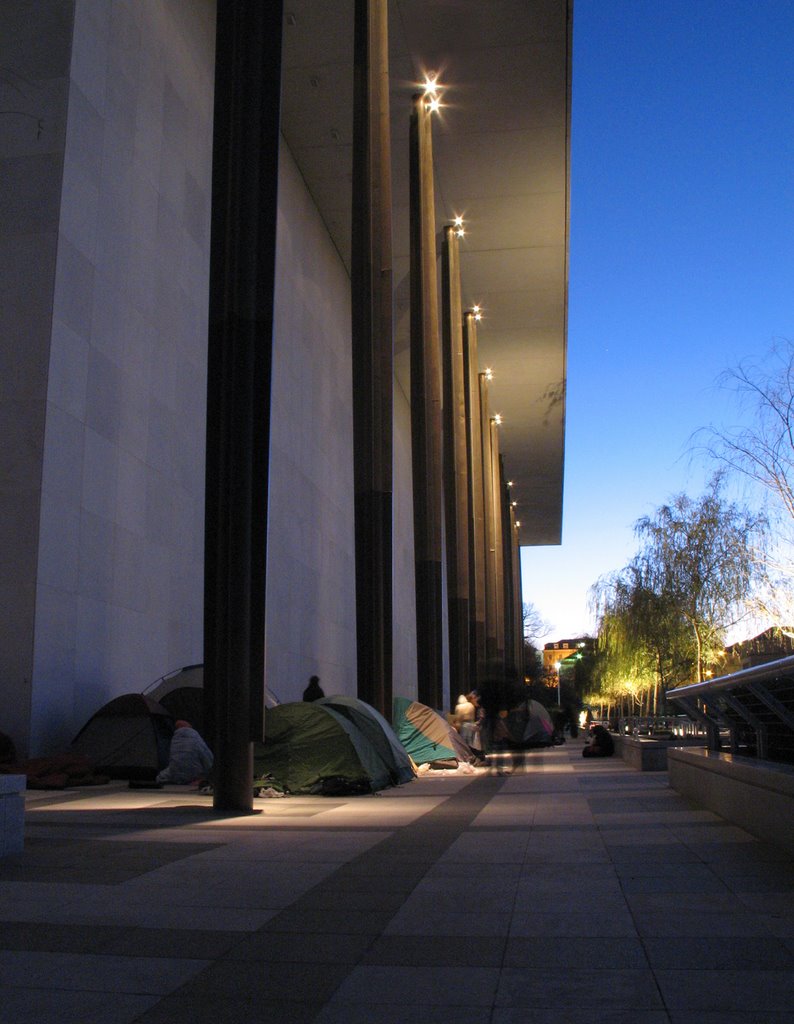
(189, 760)
(601, 743)
(313, 691)
(558, 720)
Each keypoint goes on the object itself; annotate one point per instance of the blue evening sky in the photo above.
(682, 259)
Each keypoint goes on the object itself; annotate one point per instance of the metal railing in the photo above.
(662, 726)
(750, 712)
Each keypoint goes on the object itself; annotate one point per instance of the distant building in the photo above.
(559, 650)
(774, 643)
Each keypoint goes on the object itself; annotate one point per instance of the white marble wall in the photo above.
(119, 590)
(311, 541)
(311, 544)
(404, 672)
(35, 48)
(102, 394)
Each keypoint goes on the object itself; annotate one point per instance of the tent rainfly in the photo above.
(377, 730)
(128, 738)
(427, 737)
(311, 749)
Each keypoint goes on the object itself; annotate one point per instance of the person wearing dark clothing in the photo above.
(601, 744)
(313, 691)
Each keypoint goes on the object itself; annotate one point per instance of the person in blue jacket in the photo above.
(189, 760)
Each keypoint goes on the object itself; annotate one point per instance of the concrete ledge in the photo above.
(647, 753)
(12, 813)
(756, 795)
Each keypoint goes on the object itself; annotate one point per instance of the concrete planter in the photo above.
(12, 813)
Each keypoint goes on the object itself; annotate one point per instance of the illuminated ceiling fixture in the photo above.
(431, 92)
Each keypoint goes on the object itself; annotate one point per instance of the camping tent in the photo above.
(539, 728)
(427, 736)
(182, 694)
(309, 748)
(378, 732)
(528, 724)
(128, 738)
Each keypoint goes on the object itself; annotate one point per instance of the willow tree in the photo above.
(642, 637)
(663, 617)
(703, 560)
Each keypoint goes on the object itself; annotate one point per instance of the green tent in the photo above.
(309, 749)
(378, 731)
(426, 736)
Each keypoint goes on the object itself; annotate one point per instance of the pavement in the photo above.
(569, 891)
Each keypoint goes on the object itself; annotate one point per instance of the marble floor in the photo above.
(567, 892)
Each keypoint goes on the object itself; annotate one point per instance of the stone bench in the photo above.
(758, 796)
(12, 813)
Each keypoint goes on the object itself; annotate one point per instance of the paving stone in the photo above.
(541, 898)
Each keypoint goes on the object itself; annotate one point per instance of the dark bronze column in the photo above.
(498, 551)
(456, 469)
(373, 354)
(242, 270)
(518, 595)
(477, 656)
(425, 410)
(507, 569)
(489, 502)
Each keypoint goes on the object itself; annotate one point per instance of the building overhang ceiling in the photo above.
(501, 155)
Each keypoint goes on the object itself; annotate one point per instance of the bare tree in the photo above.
(761, 450)
(535, 626)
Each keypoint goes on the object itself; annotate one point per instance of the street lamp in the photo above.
(558, 667)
